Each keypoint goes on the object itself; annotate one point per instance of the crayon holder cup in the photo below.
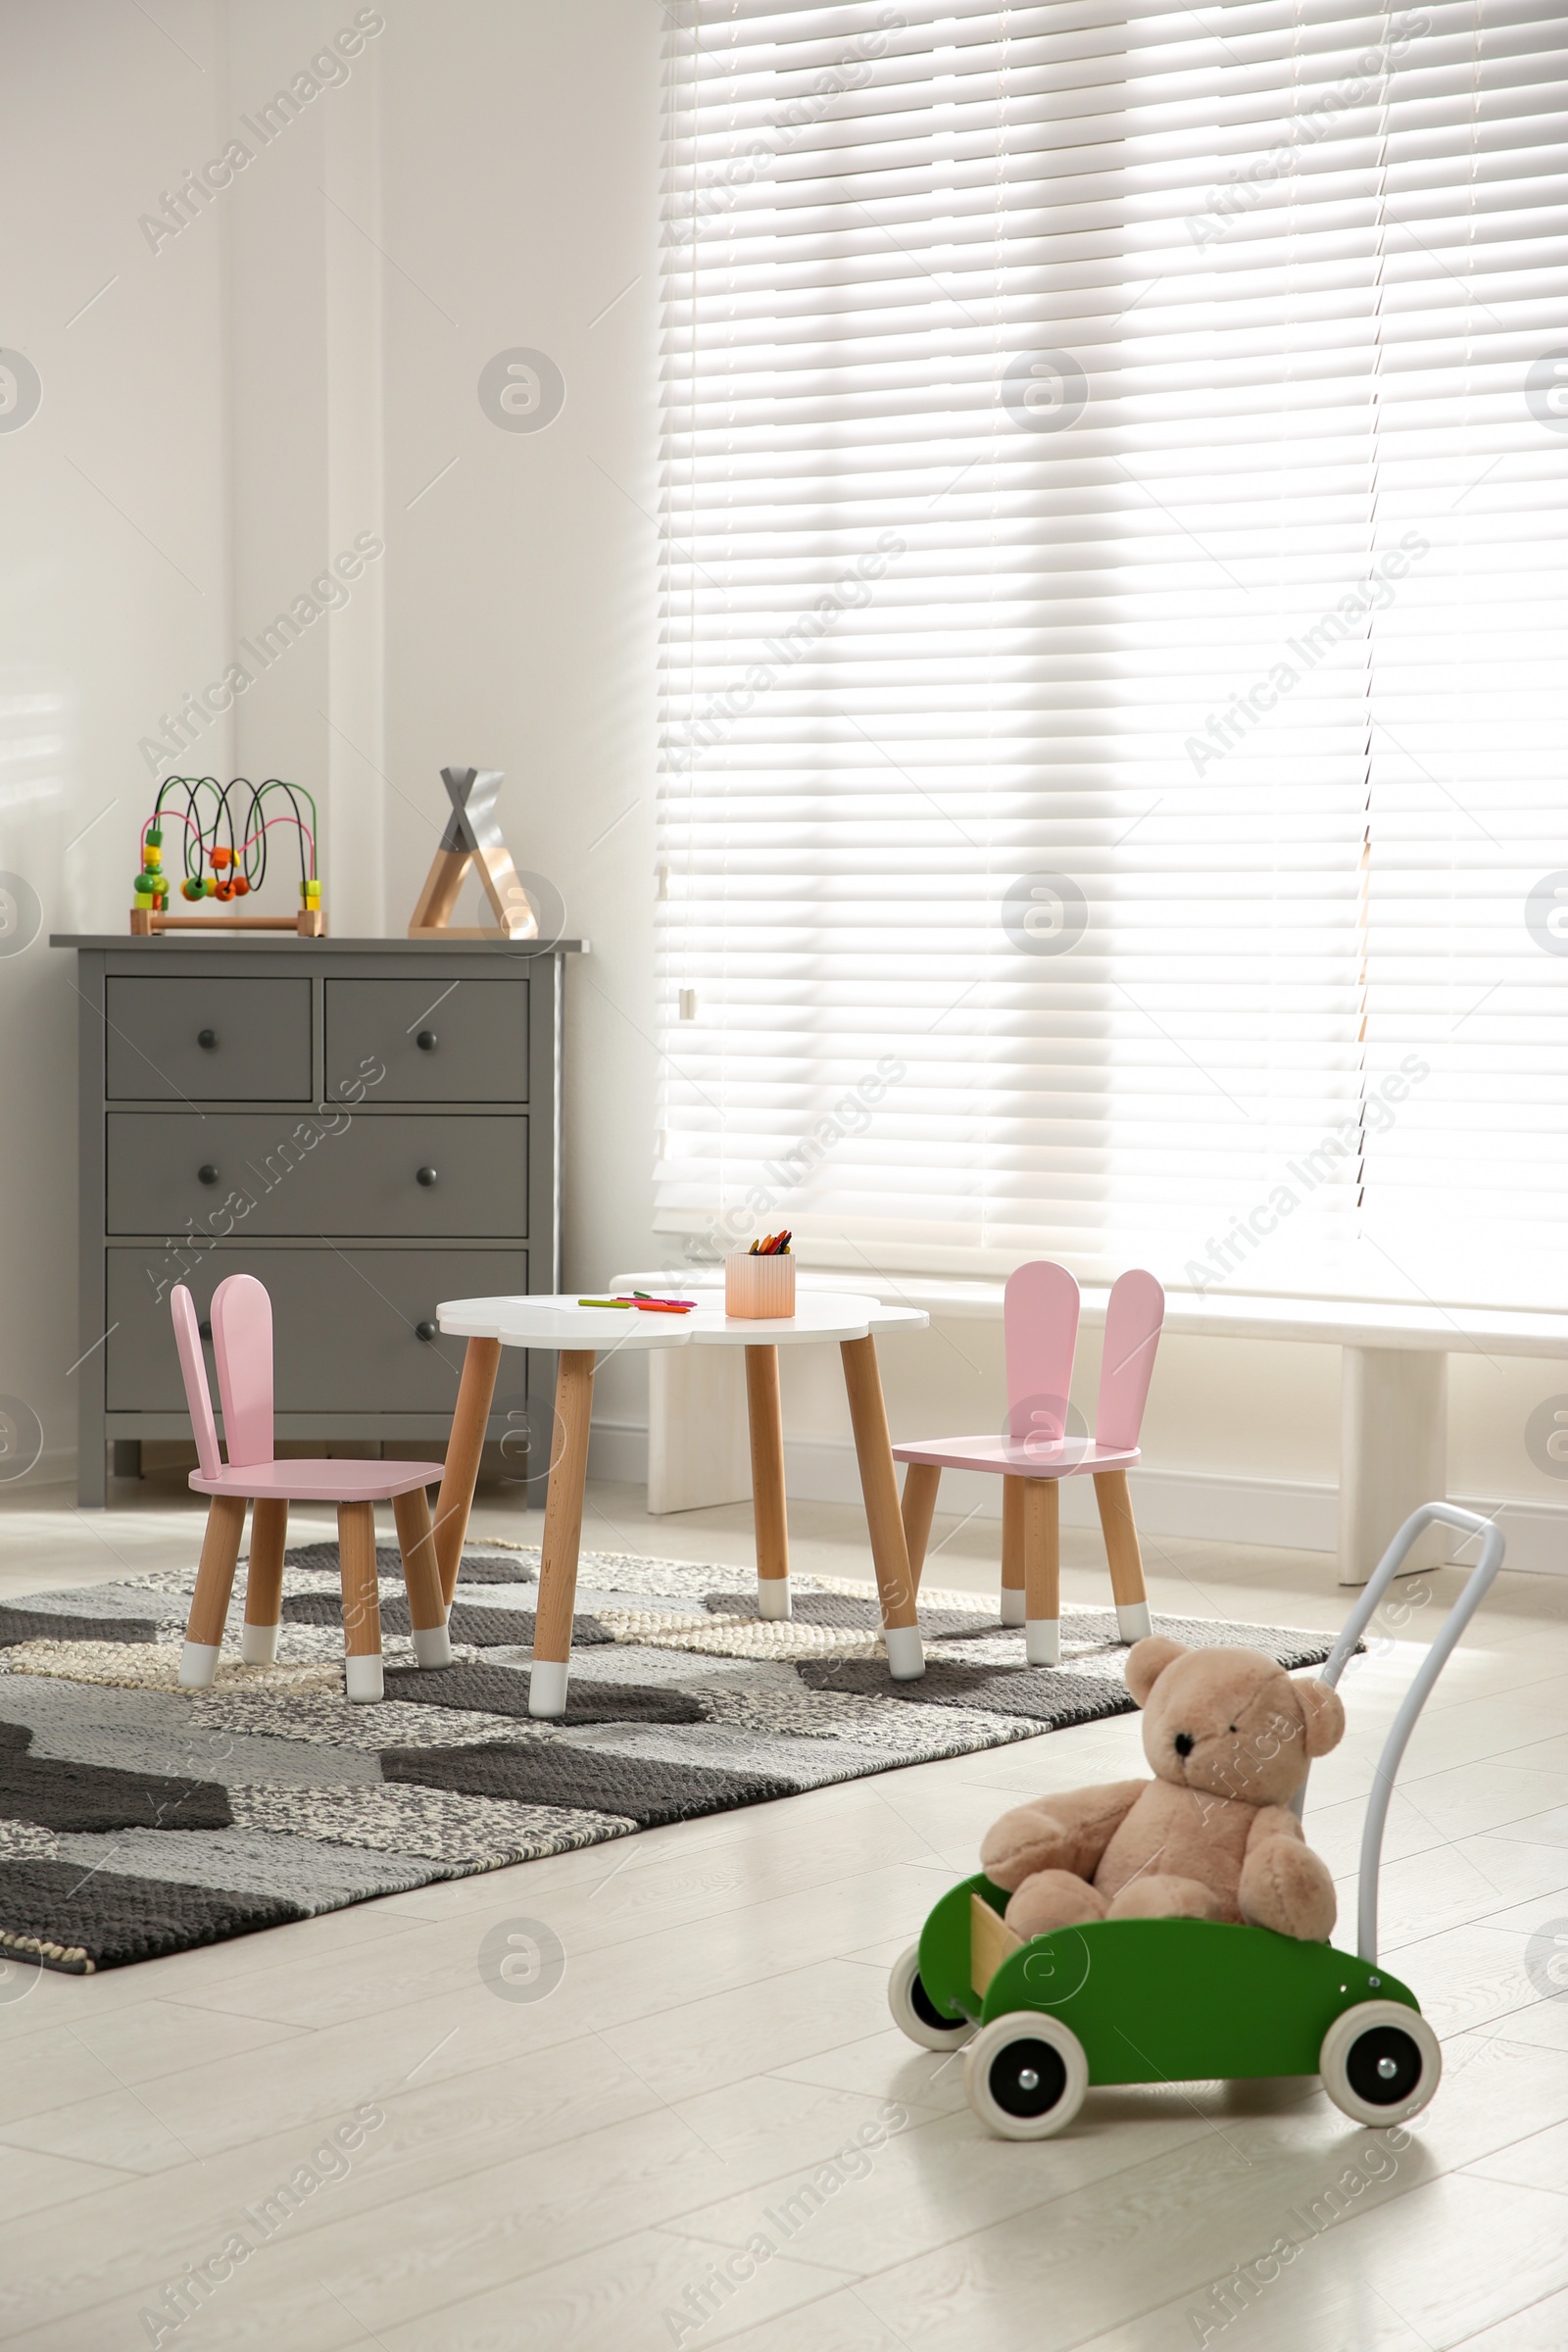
(758, 1289)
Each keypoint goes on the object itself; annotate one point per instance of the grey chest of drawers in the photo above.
(369, 1127)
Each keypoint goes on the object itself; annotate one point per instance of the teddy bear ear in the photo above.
(1147, 1661)
(1322, 1713)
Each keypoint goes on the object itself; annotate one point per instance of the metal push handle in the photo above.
(1447, 1514)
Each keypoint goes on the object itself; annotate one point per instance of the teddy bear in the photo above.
(1230, 1735)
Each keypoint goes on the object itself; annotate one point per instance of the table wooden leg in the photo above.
(873, 1446)
(264, 1581)
(769, 1517)
(214, 1582)
(1012, 1599)
(920, 1483)
(1042, 1571)
(482, 1361)
(557, 1563)
(362, 1600)
(428, 1608)
(1120, 1530)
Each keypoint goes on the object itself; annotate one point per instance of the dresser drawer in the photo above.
(241, 1174)
(345, 1323)
(464, 1041)
(208, 1041)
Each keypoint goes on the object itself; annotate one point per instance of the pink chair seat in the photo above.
(318, 1480)
(1020, 1458)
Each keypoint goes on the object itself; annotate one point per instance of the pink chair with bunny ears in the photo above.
(1037, 1449)
(242, 1348)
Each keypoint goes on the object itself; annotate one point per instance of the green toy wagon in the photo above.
(1181, 2000)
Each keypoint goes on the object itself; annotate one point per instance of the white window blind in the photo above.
(1115, 717)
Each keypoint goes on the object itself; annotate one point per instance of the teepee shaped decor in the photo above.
(472, 838)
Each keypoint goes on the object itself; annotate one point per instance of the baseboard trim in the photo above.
(1281, 1514)
(55, 1466)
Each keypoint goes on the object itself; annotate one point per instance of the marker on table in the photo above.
(649, 1306)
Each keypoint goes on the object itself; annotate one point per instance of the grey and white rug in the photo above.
(137, 1818)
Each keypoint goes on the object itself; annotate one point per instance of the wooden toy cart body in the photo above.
(1181, 2000)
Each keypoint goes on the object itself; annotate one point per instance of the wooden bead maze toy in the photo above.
(224, 859)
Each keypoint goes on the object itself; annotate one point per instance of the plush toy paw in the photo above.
(1025, 1841)
(1052, 1899)
(1163, 1895)
(1068, 1831)
(1286, 1887)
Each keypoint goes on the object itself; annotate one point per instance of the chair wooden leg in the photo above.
(879, 1483)
(362, 1599)
(770, 1515)
(214, 1582)
(1012, 1602)
(1120, 1530)
(1042, 1570)
(482, 1361)
(433, 1646)
(557, 1558)
(920, 1483)
(264, 1581)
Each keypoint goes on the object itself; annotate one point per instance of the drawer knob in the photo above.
(207, 1173)
(426, 1040)
(206, 1039)
(425, 1331)
(425, 1176)
(206, 1330)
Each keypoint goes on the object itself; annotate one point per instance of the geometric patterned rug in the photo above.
(138, 1819)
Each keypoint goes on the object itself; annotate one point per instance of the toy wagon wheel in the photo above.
(1025, 2074)
(916, 2014)
(1381, 2062)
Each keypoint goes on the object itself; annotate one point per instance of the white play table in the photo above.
(579, 1335)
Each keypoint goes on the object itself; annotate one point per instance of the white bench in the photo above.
(1393, 1392)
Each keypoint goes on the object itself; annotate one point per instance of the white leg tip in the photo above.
(257, 1644)
(1012, 1605)
(198, 1665)
(433, 1646)
(1042, 1641)
(546, 1688)
(364, 1678)
(773, 1596)
(906, 1656)
(1134, 1621)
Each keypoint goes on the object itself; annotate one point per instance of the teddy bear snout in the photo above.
(1184, 1744)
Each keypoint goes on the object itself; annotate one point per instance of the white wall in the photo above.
(114, 577)
(298, 367)
(521, 192)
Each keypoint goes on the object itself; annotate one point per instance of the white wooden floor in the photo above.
(567, 2172)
